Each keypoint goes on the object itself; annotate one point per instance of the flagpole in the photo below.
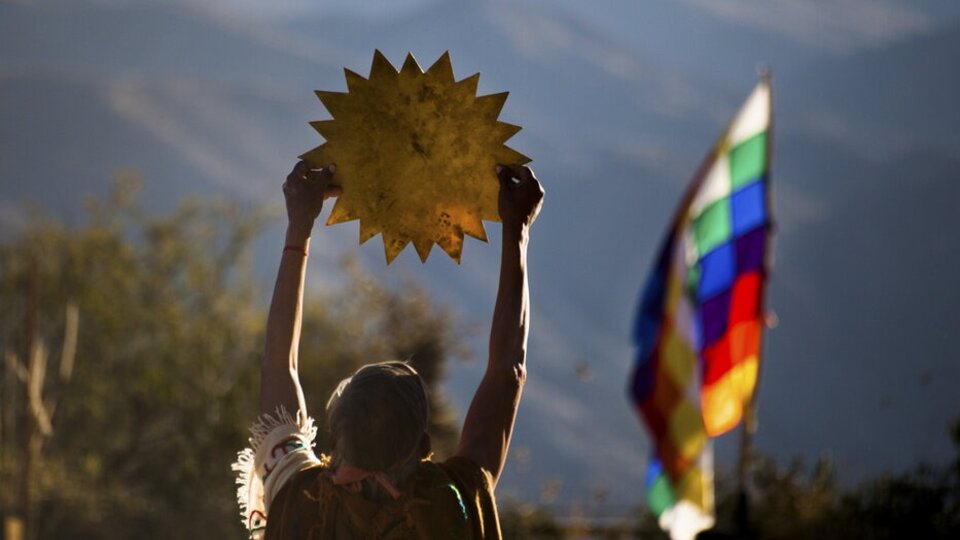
(749, 424)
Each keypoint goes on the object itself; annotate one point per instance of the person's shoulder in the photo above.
(305, 483)
(462, 464)
(467, 474)
(295, 506)
(475, 488)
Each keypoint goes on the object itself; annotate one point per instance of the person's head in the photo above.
(378, 418)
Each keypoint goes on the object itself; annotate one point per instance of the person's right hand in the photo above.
(305, 190)
(521, 196)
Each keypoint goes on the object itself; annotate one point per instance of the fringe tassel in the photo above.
(245, 469)
(266, 423)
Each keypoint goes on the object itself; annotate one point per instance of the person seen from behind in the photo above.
(379, 480)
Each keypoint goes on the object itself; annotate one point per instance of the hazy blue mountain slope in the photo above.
(865, 252)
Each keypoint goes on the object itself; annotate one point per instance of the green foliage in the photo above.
(167, 365)
(527, 522)
(796, 503)
(784, 502)
(922, 503)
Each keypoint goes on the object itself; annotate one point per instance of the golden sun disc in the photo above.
(415, 154)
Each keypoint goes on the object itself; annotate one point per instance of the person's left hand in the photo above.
(305, 190)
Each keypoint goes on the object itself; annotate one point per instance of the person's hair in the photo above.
(378, 417)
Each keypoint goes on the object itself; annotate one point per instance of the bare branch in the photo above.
(69, 353)
(15, 366)
(37, 373)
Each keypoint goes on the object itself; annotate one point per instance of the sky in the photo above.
(619, 101)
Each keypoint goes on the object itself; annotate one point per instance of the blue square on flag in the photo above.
(748, 208)
(654, 472)
(716, 272)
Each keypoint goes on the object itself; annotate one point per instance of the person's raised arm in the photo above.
(486, 431)
(304, 191)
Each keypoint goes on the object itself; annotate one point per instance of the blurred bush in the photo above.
(800, 502)
(166, 374)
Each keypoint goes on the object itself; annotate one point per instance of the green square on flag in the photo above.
(712, 227)
(660, 496)
(693, 280)
(748, 160)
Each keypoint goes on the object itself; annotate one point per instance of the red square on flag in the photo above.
(745, 300)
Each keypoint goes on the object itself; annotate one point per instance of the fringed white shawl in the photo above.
(280, 447)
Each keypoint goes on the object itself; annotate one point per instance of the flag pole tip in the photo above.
(764, 72)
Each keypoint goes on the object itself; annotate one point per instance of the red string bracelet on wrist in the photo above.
(298, 249)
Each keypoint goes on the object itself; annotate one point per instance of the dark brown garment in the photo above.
(451, 500)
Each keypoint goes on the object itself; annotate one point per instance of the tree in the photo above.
(167, 363)
(921, 503)
(527, 522)
(785, 503)
(797, 503)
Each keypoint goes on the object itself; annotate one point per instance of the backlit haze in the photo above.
(619, 101)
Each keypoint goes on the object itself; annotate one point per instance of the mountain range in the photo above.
(860, 367)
